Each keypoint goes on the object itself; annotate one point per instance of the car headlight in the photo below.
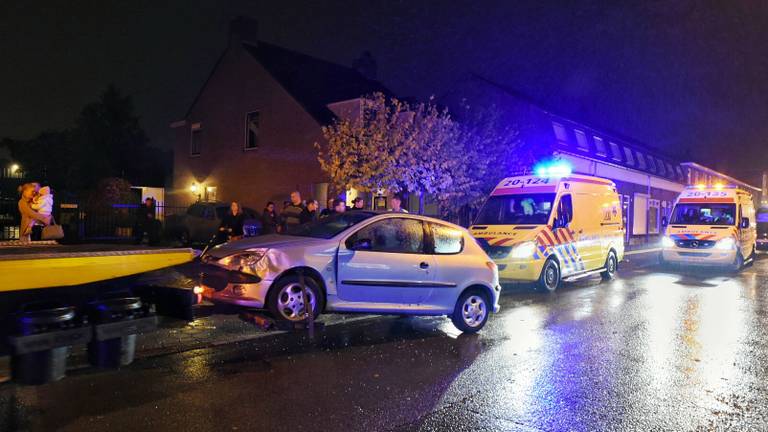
(524, 250)
(667, 242)
(725, 244)
(249, 261)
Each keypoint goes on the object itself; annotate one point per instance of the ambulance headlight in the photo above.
(524, 250)
(725, 244)
(667, 242)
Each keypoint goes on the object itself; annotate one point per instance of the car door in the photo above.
(452, 268)
(386, 262)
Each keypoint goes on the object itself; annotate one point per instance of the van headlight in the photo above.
(524, 250)
(667, 242)
(725, 244)
(250, 261)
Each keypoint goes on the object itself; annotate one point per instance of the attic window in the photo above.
(195, 138)
(600, 145)
(581, 140)
(252, 130)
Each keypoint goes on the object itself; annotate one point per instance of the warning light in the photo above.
(700, 186)
(719, 186)
(558, 169)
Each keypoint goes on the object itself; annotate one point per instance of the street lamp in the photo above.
(15, 168)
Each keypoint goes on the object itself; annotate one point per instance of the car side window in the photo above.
(394, 235)
(447, 240)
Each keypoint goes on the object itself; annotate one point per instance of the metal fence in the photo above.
(113, 223)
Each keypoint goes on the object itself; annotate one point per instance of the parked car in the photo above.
(202, 220)
(369, 262)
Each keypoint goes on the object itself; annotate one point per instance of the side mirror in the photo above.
(744, 223)
(361, 244)
(664, 221)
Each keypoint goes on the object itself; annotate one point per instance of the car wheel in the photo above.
(471, 311)
(611, 264)
(549, 279)
(286, 298)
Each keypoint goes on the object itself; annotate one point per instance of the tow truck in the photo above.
(71, 276)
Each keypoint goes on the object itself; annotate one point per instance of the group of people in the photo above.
(294, 213)
(36, 209)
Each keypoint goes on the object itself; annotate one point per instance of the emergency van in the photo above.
(711, 226)
(551, 228)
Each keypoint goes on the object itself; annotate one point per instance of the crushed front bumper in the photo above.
(224, 286)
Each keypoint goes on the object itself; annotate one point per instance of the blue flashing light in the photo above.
(555, 169)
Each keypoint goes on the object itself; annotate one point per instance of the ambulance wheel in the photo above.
(611, 264)
(752, 256)
(738, 263)
(549, 279)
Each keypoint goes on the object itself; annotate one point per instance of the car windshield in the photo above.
(332, 225)
(704, 214)
(519, 209)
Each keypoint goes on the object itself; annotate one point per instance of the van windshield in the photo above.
(704, 214)
(522, 209)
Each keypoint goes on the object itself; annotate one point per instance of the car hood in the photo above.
(271, 241)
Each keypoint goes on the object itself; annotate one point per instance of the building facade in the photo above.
(249, 135)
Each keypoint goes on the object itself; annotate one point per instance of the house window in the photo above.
(560, 133)
(581, 140)
(195, 138)
(600, 145)
(653, 216)
(210, 193)
(660, 166)
(628, 154)
(640, 160)
(670, 170)
(252, 130)
(615, 151)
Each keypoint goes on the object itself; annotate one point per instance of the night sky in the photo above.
(679, 75)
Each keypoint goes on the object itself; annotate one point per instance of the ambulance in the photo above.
(552, 227)
(711, 226)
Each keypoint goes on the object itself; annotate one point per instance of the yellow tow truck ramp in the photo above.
(47, 264)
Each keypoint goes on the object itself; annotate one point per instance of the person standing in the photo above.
(270, 223)
(146, 222)
(328, 210)
(338, 206)
(397, 203)
(32, 222)
(232, 223)
(291, 214)
(358, 204)
(310, 213)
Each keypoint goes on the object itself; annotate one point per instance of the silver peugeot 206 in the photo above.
(360, 261)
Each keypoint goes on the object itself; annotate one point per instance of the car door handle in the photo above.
(424, 265)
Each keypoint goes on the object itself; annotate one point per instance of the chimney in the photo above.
(366, 65)
(243, 30)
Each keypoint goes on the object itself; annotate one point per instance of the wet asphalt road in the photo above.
(651, 350)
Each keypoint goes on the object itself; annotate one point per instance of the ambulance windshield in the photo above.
(518, 209)
(704, 214)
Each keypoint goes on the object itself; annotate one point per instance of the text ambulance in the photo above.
(549, 229)
(711, 226)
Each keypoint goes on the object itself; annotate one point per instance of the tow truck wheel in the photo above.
(549, 279)
(611, 264)
(286, 300)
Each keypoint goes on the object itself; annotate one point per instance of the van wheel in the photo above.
(752, 256)
(549, 279)
(738, 263)
(611, 264)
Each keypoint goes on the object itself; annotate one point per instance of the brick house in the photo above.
(249, 134)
